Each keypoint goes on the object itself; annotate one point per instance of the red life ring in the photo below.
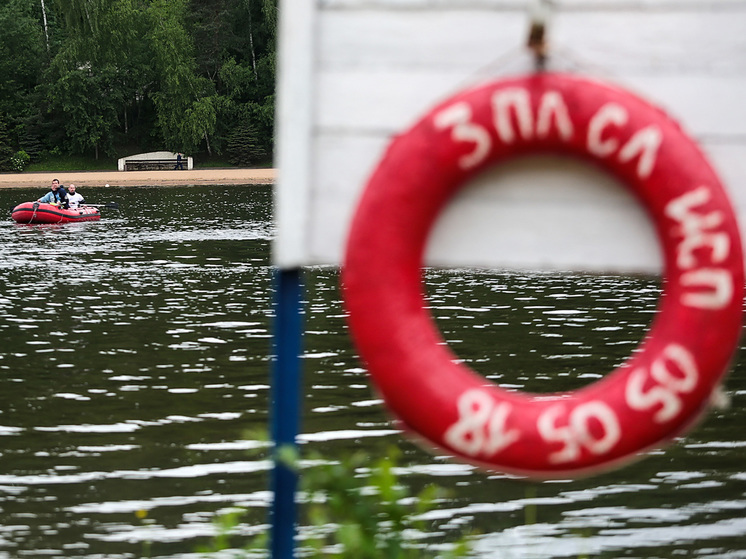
(659, 391)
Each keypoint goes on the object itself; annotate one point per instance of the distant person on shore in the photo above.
(74, 198)
(56, 196)
(179, 164)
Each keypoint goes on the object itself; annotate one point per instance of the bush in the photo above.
(358, 507)
(243, 146)
(19, 161)
(374, 515)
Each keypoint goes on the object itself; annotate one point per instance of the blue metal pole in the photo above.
(285, 409)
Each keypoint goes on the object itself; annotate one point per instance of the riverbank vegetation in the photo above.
(101, 79)
(356, 508)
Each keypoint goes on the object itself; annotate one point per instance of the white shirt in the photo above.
(74, 200)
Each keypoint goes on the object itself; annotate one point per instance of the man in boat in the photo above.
(74, 198)
(56, 196)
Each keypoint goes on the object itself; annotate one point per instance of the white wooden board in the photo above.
(352, 73)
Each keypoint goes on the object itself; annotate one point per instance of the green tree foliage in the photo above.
(358, 508)
(120, 76)
(244, 148)
(22, 56)
(6, 151)
(241, 64)
(89, 106)
(184, 101)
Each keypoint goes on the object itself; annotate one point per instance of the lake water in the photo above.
(134, 376)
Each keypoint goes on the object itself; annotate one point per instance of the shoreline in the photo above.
(140, 178)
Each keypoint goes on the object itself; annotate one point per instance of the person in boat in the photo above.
(56, 196)
(74, 198)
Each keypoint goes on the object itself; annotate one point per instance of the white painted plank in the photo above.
(706, 106)
(381, 71)
(294, 125)
(555, 214)
(606, 41)
(599, 5)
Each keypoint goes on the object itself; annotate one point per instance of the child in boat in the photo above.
(74, 198)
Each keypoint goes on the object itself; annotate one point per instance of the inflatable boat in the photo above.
(34, 212)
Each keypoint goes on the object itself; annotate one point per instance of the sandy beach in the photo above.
(140, 178)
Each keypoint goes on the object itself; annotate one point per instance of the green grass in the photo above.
(54, 163)
(211, 163)
(204, 161)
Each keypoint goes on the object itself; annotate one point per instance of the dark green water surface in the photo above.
(134, 374)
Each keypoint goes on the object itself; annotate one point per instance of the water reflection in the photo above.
(135, 361)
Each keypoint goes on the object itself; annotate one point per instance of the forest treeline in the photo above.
(108, 78)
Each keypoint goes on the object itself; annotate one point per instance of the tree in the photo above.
(209, 22)
(6, 151)
(21, 60)
(185, 102)
(243, 146)
(90, 76)
(247, 77)
(124, 53)
(101, 74)
(90, 109)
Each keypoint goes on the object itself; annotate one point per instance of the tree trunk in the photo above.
(44, 17)
(251, 40)
(207, 141)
